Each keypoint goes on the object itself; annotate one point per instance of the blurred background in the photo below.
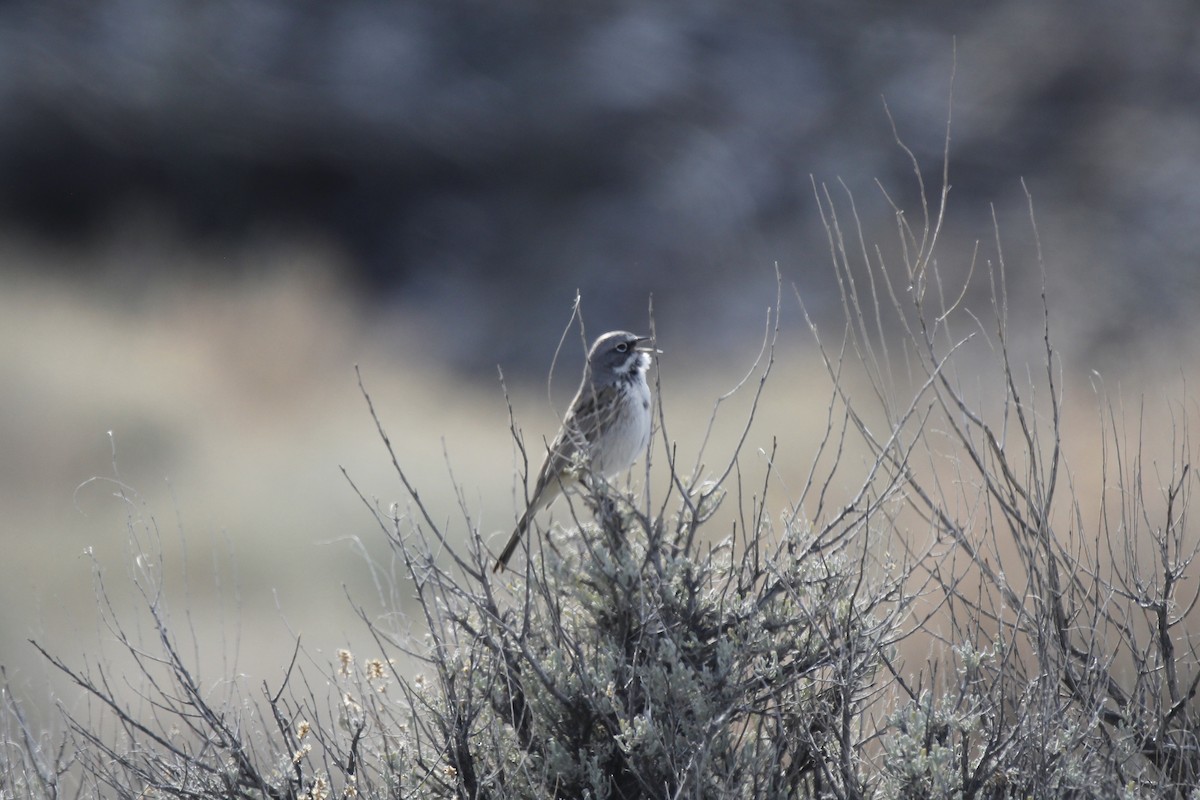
(209, 213)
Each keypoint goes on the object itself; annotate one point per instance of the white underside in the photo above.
(625, 442)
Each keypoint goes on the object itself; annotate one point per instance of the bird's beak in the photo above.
(642, 346)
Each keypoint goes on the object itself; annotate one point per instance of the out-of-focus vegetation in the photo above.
(486, 161)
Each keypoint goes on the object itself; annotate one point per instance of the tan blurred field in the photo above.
(232, 409)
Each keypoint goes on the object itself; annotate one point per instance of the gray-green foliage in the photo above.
(629, 663)
(969, 741)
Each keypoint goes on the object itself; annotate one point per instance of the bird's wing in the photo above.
(589, 415)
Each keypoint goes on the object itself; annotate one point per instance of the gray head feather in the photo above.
(617, 356)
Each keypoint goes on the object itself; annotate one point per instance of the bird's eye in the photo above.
(623, 348)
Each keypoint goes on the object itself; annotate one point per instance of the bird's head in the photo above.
(620, 354)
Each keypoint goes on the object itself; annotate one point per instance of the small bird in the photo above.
(605, 430)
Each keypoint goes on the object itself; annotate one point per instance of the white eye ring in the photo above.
(622, 348)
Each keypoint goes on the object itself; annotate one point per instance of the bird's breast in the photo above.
(626, 438)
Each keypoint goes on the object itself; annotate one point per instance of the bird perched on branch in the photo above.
(605, 430)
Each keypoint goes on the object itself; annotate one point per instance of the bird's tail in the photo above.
(542, 498)
(514, 540)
